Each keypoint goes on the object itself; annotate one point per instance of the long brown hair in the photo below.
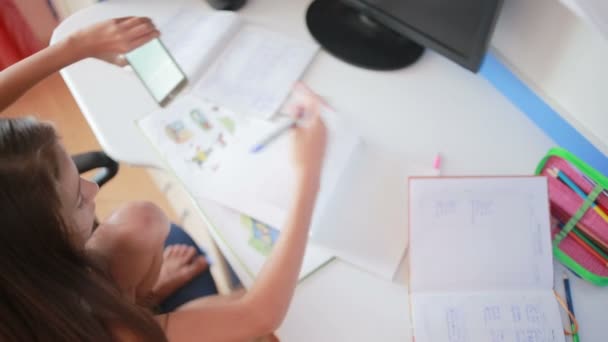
(50, 290)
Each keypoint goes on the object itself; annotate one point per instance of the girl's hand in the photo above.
(310, 136)
(109, 40)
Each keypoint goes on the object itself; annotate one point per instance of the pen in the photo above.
(276, 134)
(570, 308)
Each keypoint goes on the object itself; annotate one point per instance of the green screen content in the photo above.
(155, 68)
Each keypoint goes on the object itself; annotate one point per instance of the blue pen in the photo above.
(569, 303)
(275, 134)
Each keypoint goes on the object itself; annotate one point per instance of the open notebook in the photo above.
(480, 260)
(244, 67)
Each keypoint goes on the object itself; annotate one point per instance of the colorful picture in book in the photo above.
(201, 120)
(263, 237)
(178, 132)
(201, 156)
(228, 124)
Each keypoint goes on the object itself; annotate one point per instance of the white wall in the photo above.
(562, 57)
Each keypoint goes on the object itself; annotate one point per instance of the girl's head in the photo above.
(38, 179)
(76, 196)
(50, 289)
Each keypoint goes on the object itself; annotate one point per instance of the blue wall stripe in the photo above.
(542, 114)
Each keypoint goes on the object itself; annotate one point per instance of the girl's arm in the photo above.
(261, 310)
(106, 40)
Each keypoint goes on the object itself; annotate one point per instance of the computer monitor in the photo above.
(392, 34)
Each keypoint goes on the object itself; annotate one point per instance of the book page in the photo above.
(256, 72)
(189, 134)
(479, 234)
(365, 221)
(490, 317)
(251, 241)
(195, 39)
(261, 184)
(257, 184)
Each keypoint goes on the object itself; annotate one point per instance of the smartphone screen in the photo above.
(157, 70)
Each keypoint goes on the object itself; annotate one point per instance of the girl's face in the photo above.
(77, 197)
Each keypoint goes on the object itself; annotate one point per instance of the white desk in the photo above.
(433, 106)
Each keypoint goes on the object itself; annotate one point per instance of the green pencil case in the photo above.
(579, 214)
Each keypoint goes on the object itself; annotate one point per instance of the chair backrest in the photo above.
(88, 161)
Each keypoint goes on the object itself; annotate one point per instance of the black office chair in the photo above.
(96, 160)
(88, 161)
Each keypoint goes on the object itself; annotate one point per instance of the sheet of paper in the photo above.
(195, 38)
(256, 71)
(365, 222)
(252, 241)
(479, 234)
(261, 184)
(490, 317)
(189, 134)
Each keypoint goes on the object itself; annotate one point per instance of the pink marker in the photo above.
(437, 165)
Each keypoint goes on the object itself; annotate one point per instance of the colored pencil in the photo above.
(588, 248)
(590, 243)
(555, 172)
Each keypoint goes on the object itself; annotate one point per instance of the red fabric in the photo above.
(17, 40)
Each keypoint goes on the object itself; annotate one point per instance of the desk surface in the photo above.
(433, 106)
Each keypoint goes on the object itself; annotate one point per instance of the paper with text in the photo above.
(479, 234)
(195, 39)
(256, 71)
(489, 317)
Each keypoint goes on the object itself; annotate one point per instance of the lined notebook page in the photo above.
(256, 71)
(531, 316)
(195, 38)
(479, 234)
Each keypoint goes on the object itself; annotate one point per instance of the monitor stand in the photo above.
(347, 33)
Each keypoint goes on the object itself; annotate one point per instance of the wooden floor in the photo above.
(52, 101)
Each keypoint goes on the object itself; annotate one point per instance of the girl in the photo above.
(60, 281)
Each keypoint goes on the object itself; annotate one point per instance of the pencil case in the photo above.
(579, 221)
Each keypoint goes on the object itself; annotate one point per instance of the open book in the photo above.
(480, 260)
(228, 62)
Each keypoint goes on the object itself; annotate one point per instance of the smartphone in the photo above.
(157, 70)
